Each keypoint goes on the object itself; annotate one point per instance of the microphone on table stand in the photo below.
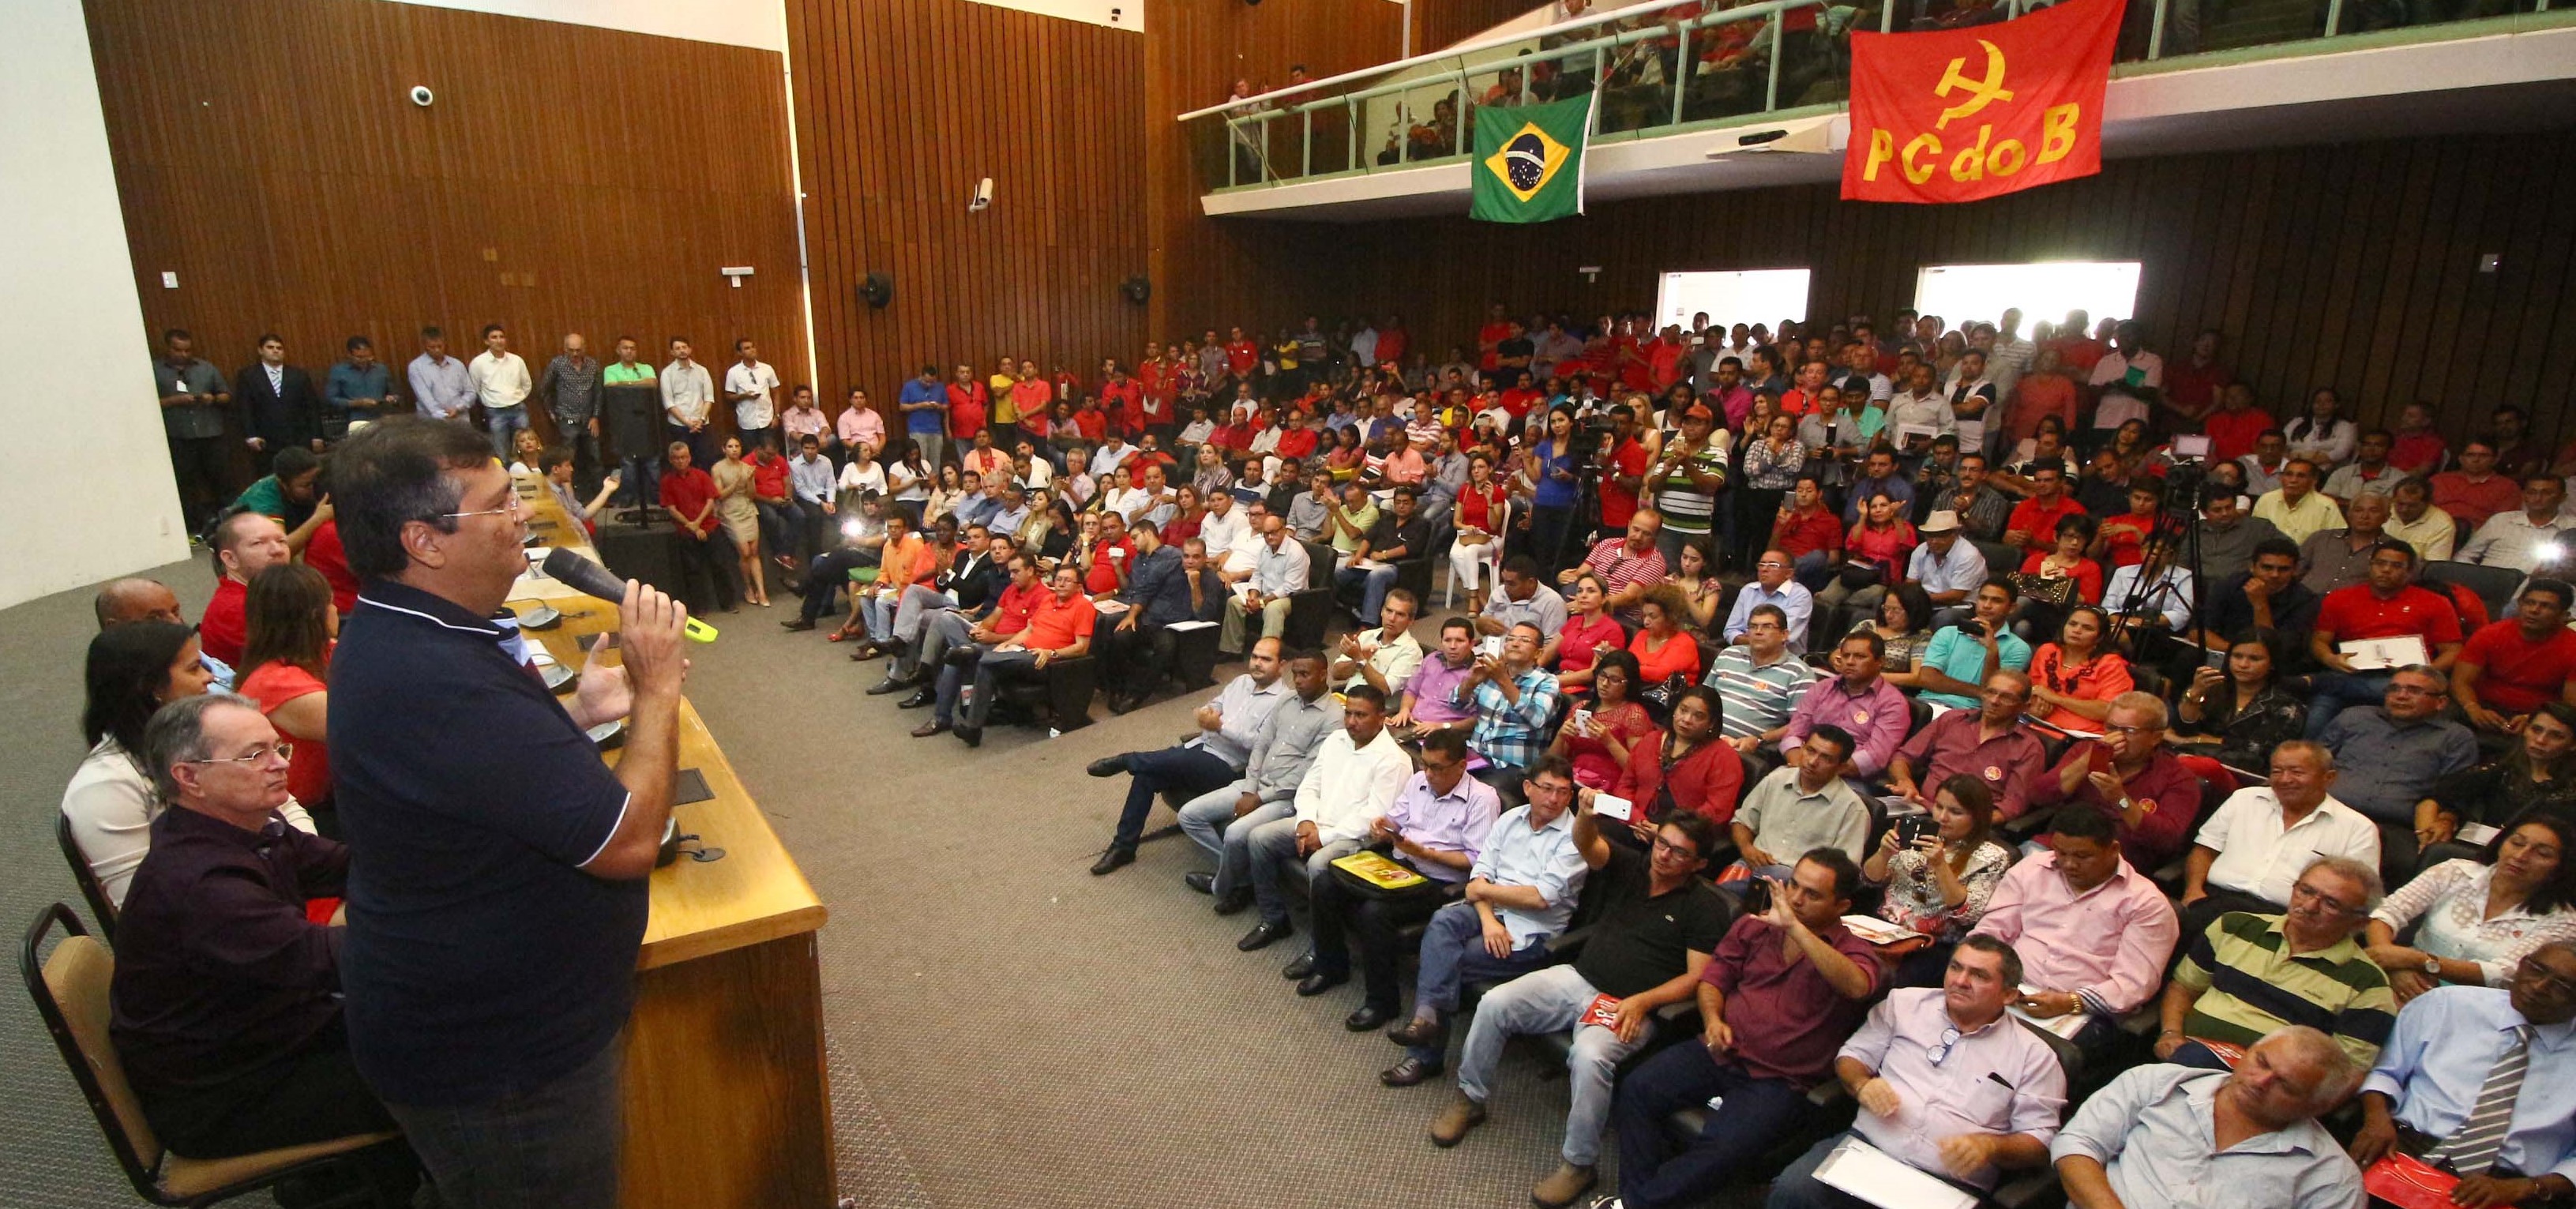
(592, 579)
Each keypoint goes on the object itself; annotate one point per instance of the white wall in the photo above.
(88, 491)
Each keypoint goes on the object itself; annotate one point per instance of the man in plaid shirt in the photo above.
(1512, 698)
(1628, 565)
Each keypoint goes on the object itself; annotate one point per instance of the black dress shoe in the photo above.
(1407, 1073)
(1304, 965)
(1204, 883)
(1234, 902)
(1107, 766)
(1263, 933)
(923, 699)
(888, 685)
(1427, 1033)
(798, 624)
(960, 656)
(1318, 983)
(1118, 706)
(1110, 861)
(973, 735)
(1369, 1019)
(927, 729)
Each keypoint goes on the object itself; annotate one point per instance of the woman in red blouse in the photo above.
(1482, 504)
(1589, 632)
(2073, 679)
(1883, 539)
(1688, 768)
(2066, 560)
(1663, 648)
(1597, 738)
(292, 625)
(1187, 515)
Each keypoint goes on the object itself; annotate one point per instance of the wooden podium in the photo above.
(728, 1104)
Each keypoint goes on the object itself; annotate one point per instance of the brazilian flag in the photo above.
(1529, 160)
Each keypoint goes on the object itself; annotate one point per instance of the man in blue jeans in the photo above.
(1208, 760)
(924, 404)
(2388, 604)
(1659, 922)
(1783, 992)
(1399, 534)
(1222, 820)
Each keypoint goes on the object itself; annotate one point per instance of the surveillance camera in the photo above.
(420, 95)
(983, 196)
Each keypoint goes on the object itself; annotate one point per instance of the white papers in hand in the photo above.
(1865, 1171)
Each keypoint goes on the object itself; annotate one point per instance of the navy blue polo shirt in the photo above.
(481, 960)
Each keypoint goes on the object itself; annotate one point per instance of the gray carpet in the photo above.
(1006, 1030)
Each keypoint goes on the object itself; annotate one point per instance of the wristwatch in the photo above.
(2432, 966)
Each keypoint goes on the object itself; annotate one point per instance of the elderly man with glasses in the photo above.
(2481, 1081)
(2248, 975)
(226, 996)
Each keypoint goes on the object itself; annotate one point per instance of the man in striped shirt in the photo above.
(1686, 478)
(1628, 565)
(1759, 681)
(2248, 974)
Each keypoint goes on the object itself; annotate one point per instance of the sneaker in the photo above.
(1563, 1185)
(1452, 1124)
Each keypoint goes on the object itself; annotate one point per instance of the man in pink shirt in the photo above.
(2093, 934)
(858, 424)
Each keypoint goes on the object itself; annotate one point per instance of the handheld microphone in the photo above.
(594, 580)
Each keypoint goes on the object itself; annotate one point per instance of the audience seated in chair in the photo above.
(1808, 806)
(2247, 975)
(1986, 744)
(2514, 665)
(227, 1009)
(1279, 571)
(1924, 1068)
(1515, 702)
(2478, 1080)
(1383, 658)
(1222, 820)
(1856, 700)
(2389, 605)
(1961, 658)
(1939, 881)
(1437, 827)
(1771, 585)
(1760, 681)
(1204, 764)
(1355, 776)
(246, 543)
(2173, 1136)
(1425, 702)
(2093, 933)
(1628, 565)
(1657, 926)
(1058, 627)
(2250, 849)
(2388, 757)
(2129, 776)
(2474, 918)
(1778, 999)
(1688, 769)
(1524, 598)
(1169, 584)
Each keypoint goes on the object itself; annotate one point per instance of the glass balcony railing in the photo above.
(1660, 68)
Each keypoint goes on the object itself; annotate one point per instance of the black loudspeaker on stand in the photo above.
(638, 552)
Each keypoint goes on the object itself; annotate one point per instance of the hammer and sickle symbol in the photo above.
(1981, 93)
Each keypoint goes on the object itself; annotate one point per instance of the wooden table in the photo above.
(727, 1100)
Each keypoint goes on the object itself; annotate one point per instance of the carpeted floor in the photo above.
(1006, 1029)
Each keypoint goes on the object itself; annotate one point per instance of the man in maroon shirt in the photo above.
(1777, 1000)
(2128, 777)
(699, 545)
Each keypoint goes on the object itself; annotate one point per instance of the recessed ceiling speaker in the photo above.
(1137, 289)
(877, 290)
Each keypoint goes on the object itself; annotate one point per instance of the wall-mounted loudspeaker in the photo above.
(877, 290)
(1136, 289)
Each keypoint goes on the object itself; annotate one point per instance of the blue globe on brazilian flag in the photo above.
(1529, 161)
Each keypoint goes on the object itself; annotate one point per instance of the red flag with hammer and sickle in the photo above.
(1958, 115)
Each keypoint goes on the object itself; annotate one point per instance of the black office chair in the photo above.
(100, 908)
(1059, 696)
(2494, 585)
(1310, 612)
(70, 990)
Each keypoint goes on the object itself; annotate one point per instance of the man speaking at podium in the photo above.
(496, 893)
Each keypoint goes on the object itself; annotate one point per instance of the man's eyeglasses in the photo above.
(1949, 1041)
(2115, 728)
(1665, 845)
(2332, 906)
(283, 749)
(511, 509)
(2531, 970)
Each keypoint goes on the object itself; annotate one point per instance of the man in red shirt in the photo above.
(2234, 427)
(1392, 341)
(1241, 355)
(2034, 521)
(246, 543)
(1623, 471)
(2419, 449)
(2516, 665)
(1160, 378)
(699, 547)
(1298, 441)
(2475, 491)
(2387, 605)
(1104, 568)
(1808, 532)
(952, 643)
(1122, 399)
(1802, 399)
(1058, 628)
(1664, 357)
(969, 402)
(1498, 328)
(2192, 386)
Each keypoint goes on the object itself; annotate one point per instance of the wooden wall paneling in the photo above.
(2557, 379)
(2541, 225)
(316, 201)
(2423, 360)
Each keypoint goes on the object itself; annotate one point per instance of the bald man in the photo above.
(126, 601)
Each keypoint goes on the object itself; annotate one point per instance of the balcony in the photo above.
(1764, 91)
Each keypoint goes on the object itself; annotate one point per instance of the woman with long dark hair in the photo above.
(2480, 917)
(284, 664)
(1551, 468)
(2539, 773)
(132, 670)
(1690, 767)
(1938, 885)
(2074, 678)
(2239, 714)
(1595, 739)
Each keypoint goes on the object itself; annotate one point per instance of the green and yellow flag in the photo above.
(1529, 160)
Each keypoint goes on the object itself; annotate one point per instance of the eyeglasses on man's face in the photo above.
(283, 750)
